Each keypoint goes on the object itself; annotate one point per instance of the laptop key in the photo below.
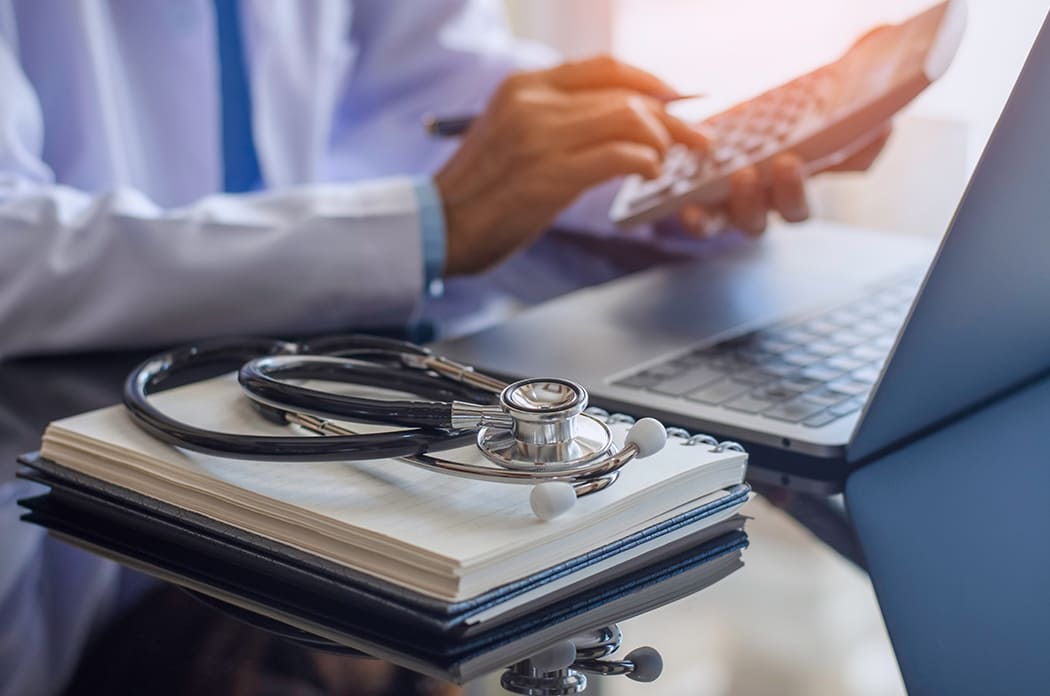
(775, 392)
(639, 381)
(884, 342)
(689, 381)
(750, 357)
(774, 345)
(719, 391)
(690, 360)
(826, 396)
(798, 336)
(847, 407)
(727, 362)
(821, 327)
(868, 329)
(821, 372)
(778, 368)
(846, 338)
(844, 363)
(801, 358)
(795, 410)
(754, 377)
(865, 374)
(867, 353)
(844, 316)
(821, 419)
(665, 370)
(849, 386)
(824, 348)
(748, 404)
(799, 383)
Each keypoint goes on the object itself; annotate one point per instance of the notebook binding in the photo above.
(683, 436)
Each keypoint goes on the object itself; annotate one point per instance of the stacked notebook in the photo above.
(407, 551)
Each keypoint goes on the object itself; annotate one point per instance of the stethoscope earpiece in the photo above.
(552, 499)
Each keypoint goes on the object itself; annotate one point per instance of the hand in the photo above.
(544, 138)
(752, 199)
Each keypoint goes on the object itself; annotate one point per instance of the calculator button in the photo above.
(754, 144)
(722, 155)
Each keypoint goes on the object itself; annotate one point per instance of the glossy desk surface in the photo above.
(966, 602)
(797, 619)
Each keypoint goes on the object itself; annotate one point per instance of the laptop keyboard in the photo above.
(811, 372)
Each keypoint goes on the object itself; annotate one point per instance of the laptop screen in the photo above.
(981, 323)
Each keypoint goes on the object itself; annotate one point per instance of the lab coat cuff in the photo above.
(432, 232)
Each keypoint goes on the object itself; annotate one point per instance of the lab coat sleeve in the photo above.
(83, 271)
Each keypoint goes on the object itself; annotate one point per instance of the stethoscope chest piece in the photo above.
(547, 428)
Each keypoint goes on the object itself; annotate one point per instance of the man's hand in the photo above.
(752, 199)
(546, 137)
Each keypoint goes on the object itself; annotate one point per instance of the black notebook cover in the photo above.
(349, 615)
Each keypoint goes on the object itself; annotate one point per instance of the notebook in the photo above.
(303, 605)
(437, 537)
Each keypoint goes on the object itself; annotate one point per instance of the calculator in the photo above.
(824, 116)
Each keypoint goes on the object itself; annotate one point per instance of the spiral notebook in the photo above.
(436, 537)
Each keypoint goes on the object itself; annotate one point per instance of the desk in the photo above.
(797, 619)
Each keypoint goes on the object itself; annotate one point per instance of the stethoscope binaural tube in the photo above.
(147, 377)
(266, 380)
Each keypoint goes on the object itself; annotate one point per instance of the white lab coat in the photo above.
(111, 230)
(112, 233)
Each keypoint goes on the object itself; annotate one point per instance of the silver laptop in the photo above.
(823, 346)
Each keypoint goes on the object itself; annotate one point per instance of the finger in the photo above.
(700, 221)
(682, 132)
(788, 188)
(599, 163)
(693, 219)
(747, 201)
(620, 119)
(863, 158)
(603, 71)
(596, 102)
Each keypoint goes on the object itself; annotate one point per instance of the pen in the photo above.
(453, 126)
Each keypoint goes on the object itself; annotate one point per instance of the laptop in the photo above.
(824, 345)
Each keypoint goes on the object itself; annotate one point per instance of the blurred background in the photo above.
(798, 619)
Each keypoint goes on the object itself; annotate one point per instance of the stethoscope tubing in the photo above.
(152, 373)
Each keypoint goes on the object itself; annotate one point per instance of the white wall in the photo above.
(577, 28)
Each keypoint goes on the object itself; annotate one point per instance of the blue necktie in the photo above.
(240, 164)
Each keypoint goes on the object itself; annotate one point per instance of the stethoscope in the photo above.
(532, 431)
